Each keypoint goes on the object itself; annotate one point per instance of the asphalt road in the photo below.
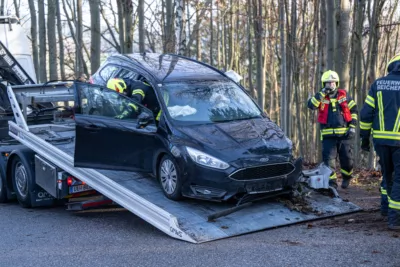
(56, 237)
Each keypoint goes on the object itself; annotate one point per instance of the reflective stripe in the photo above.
(333, 101)
(138, 91)
(354, 116)
(383, 191)
(352, 126)
(347, 173)
(334, 131)
(397, 124)
(370, 101)
(386, 135)
(381, 116)
(333, 176)
(166, 100)
(322, 95)
(342, 100)
(352, 104)
(365, 125)
(133, 106)
(315, 101)
(394, 204)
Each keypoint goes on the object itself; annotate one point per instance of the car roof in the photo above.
(168, 67)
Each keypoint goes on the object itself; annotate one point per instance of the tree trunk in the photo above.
(343, 49)
(51, 34)
(211, 35)
(250, 47)
(258, 33)
(95, 37)
(331, 33)
(60, 41)
(79, 40)
(34, 39)
(16, 7)
(169, 27)
(283, 112)
(141, 26)
(42, 43)
(180, 24)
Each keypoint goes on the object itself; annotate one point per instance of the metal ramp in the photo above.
(185, 220)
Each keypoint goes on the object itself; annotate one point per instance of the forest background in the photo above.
(279, 47)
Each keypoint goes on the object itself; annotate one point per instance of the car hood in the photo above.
(258, 140)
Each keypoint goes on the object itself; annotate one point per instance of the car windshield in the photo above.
(208, 101)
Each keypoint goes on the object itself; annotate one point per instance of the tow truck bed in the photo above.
(187, 219)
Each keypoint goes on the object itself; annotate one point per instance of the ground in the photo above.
(364, 192)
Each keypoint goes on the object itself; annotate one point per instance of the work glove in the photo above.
(350, 133)
(365, 144)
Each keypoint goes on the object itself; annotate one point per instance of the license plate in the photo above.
(264, 187)
(79, 188)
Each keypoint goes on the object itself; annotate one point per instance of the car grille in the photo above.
(262, 172)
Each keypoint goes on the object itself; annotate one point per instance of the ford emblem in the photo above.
(264, 159)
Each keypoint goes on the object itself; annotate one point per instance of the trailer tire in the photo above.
(23, 180)
(170, 178)
(3, 191)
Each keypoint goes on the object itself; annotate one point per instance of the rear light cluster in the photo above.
(72, 181)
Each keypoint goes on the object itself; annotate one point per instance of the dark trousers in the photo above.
(331, 147)
(389, 157)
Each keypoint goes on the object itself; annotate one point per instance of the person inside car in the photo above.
(140, 91)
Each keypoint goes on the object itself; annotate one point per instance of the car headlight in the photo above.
(206, 160)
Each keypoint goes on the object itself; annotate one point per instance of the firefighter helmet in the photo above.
(117, 84)
(330, 76)
(389, 66)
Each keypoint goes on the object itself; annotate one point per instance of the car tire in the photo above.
(170, 178)
(3, 191)
(22, 178)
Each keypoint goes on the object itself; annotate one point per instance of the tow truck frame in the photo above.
(189, 220)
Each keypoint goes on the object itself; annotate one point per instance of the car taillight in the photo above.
(70, 180)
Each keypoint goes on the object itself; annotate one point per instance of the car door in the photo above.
(104, 141)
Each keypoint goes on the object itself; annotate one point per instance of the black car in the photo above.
(211, 141)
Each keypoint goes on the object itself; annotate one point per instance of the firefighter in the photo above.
(140, 91)
(337, 115)
(381, 114)
(119, 86)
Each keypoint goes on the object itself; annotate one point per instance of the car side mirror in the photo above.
(144, 119)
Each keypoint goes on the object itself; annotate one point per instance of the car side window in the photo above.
(127, 74)
(96, 100)
(108, 72)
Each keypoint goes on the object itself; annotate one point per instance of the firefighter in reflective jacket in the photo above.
(139, 91)
(337, 115)
(381, 116)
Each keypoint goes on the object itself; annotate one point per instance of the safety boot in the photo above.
(345, 182)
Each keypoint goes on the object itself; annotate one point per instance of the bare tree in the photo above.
(331, 33)
(258, 33)
(180, 26)
(343, 48)
(51, 35)
(16, 7)
(141, 26)
(60, 41)
(42, 42)
(95, 43)
(34, 39)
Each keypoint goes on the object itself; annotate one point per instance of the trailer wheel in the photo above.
(22, 177)
(170, 178)
(3, 191)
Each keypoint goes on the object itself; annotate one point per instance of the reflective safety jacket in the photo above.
(335, 114)
(380, 114)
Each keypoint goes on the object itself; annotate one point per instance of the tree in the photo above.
(35, 53)
(95, 43)
(52, 41)
(42, 43)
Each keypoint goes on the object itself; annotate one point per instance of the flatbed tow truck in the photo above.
(37, 167)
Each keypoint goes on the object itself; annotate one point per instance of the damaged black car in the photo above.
(207, 140)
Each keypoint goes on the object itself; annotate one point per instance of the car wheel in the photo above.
(170, 179)
(3, 191)
(22, 177)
